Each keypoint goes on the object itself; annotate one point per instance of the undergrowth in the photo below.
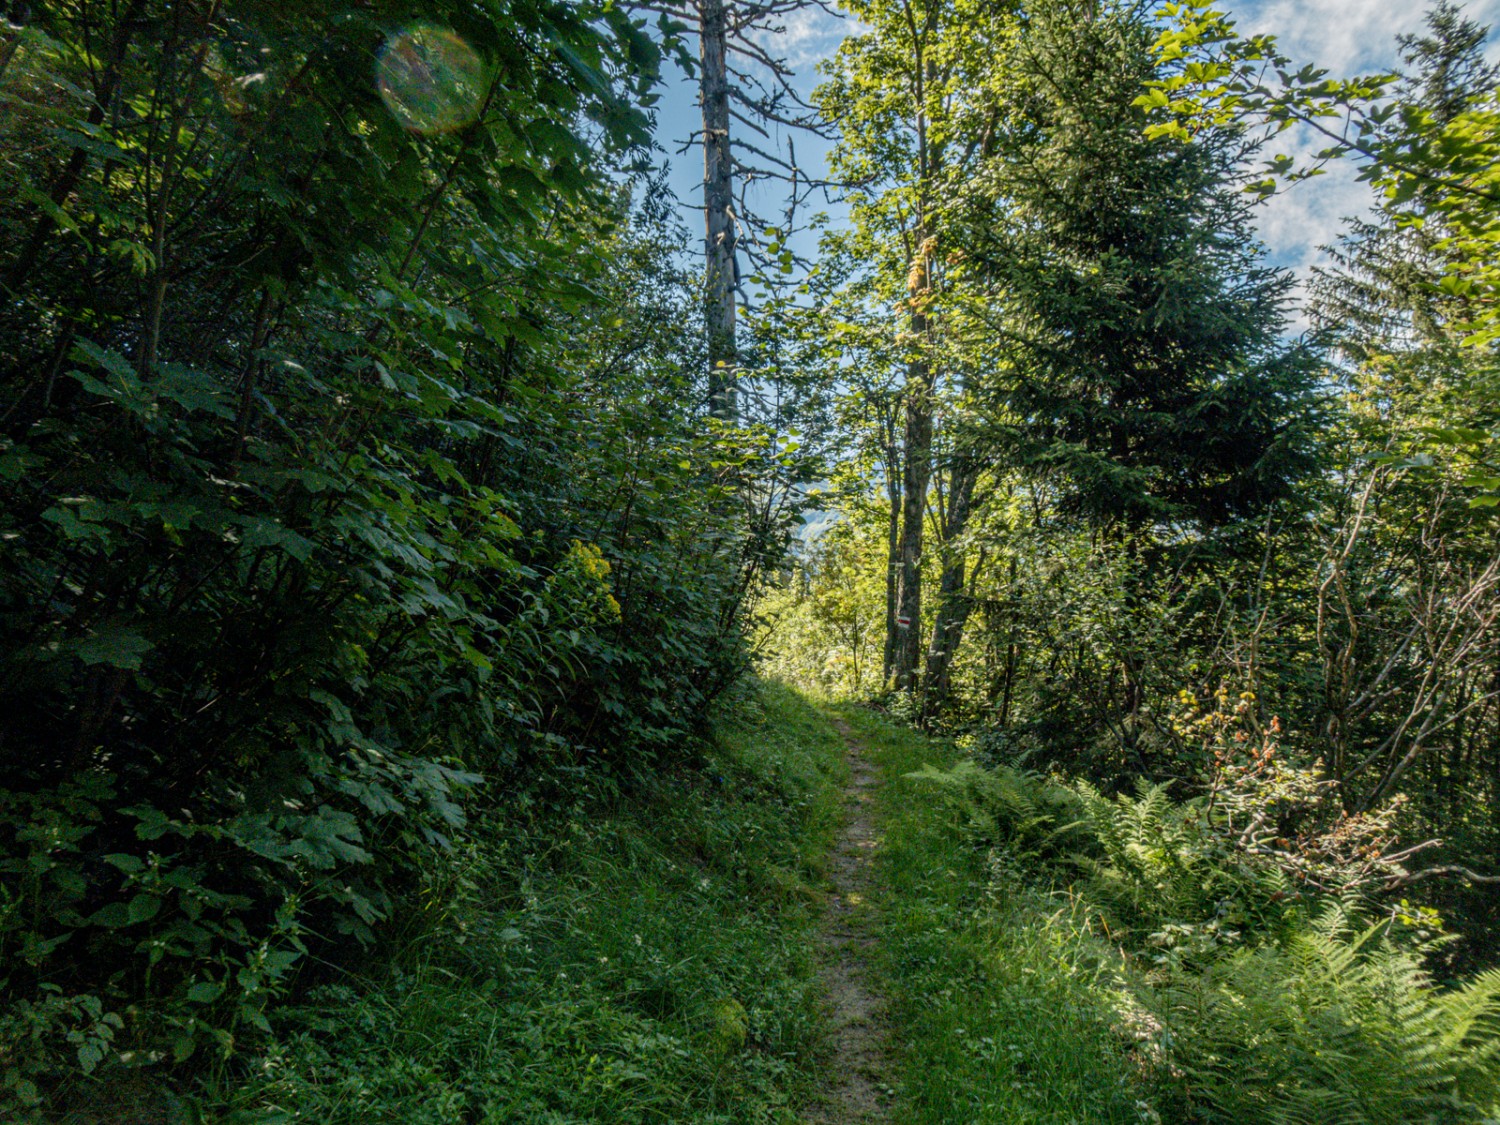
(640, 958)
(1003, 1001)
(1059, 956)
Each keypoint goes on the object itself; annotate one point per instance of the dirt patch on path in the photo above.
(862, 1067)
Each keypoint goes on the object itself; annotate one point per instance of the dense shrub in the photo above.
(353, 475)
(1254, 981)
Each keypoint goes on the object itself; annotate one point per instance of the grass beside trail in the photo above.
(646, 959)
(1001, 1002)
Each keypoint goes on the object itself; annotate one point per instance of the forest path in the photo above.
(863, 1066)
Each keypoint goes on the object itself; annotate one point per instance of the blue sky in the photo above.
(1344, 36)
(807, 39)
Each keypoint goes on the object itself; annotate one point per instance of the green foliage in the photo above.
(1156, 869)
(353, 480)
(365, 538)
(1400, 299)
(1171, 876)
(1334, 1025)
(1140, 368)
(1251, 854)
(1429, 150)
(1030, 817)
(588, 957)
(1003, 999)
(643, 958)
(1242, 992)
(821, 621)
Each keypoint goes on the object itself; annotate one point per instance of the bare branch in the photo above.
(1442, 869)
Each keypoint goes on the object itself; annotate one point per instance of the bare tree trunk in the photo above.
(718, 209)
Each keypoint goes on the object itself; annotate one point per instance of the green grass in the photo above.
(652, 959)
(1002, 1000)
(646, 960)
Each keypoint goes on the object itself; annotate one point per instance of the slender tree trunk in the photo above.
(954, 603)
(921, 376)
(914, 481)
(892, 558)
(718, 209)
(1013, 611)
(1008, 684)
(1132, 660)
(1123, 536)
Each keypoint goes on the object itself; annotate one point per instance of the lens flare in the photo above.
(431, 80)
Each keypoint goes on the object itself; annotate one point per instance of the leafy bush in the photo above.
(353, 479)
(1250, 986)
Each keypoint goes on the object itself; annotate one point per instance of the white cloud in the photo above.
(806, 36)
(1310, 214)
(1346, 37)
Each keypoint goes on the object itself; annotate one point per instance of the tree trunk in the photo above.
(1008, 674)
(921, 381)
(914, 480)
(892, 559)
(1132, 660)
(954, 603)
(718, 210)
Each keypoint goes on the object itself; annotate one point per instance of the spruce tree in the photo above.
(1146, 375)
(1382, 292)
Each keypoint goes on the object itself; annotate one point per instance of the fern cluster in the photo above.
(1269, 1000)
(1034, 818)
(1166, 876)
(1333, 1026)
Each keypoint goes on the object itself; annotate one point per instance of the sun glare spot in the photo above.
(431, 80)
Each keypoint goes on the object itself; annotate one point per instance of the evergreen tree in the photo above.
(1147, 376)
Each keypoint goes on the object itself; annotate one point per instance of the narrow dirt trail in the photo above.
(862, 1063)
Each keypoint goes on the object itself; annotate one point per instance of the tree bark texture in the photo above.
(954, 602)
(915, 477)
(892, 556)
(718, 209)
